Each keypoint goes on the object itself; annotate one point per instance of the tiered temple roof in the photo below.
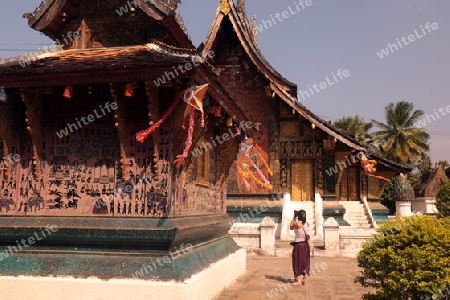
(282, 87)
(430, 182)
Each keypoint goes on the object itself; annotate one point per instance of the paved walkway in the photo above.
(268, 278)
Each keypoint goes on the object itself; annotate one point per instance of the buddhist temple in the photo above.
(133, 142)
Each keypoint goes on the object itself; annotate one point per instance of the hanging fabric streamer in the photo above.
(142, 135)
(248, 169)
(368, 166)
(193, 97)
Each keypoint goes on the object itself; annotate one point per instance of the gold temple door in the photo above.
(348, 185)
(302, 180)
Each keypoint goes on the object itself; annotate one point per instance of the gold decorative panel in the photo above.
(202, 166)
(319, 174)
(302, 178)
(301, 149)
(283, 173)
(289, 130)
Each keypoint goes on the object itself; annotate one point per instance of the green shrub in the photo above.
(386, 198)
(443, 200)
(406, 259)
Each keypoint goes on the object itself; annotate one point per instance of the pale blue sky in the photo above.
(328, 35)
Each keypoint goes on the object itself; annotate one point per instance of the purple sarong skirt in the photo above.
(300, 259)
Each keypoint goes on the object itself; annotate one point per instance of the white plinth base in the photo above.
(202, 286)
(425, 205)
(403, 209)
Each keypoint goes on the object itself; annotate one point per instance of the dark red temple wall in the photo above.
(245, 87)
(80, 172)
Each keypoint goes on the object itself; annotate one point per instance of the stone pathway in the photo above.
(267, 278)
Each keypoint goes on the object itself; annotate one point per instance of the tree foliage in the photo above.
(424, 164)
(443, 199)
(401, 140)
(386, 198)
(356, 126)
(444, 164)
(407, 258)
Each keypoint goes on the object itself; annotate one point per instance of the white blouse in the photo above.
(300, 235)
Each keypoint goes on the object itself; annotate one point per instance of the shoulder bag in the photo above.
(310, 242)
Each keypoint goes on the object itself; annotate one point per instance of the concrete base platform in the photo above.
(202, 286)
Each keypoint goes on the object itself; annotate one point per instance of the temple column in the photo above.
(328, 165)
(152, 92)
(181, 176)
(120, 115)
(6, 133)
(34, 102)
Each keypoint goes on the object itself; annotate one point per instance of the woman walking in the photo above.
(300, 253)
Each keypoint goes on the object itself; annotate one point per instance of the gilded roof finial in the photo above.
(254, 30)
(225, 6)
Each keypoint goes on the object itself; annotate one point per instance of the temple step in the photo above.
(355, 214)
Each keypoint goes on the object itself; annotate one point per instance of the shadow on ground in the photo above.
(279, 278)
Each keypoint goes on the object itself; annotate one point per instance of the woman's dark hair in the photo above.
(302, 216)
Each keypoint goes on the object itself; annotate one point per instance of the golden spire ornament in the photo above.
(254, 30)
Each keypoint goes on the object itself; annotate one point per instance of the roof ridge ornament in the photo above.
(172, 4)
(225, 7)
(241, 5)
(254, 30)
(173, 49)
(36, 10)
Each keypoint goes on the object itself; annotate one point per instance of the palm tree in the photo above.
(356, 126)
(424, 164)
(399, 139)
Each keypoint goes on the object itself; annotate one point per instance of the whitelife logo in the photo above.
(429, 118)
(323, 85)
(266, 24)
(30, 241)
(12, 159)
(167, 259)
(182, 68)
(71, 36)
(391, 48)
(86, 120)
(225, 137)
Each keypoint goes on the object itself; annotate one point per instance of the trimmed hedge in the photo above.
(407, 259)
